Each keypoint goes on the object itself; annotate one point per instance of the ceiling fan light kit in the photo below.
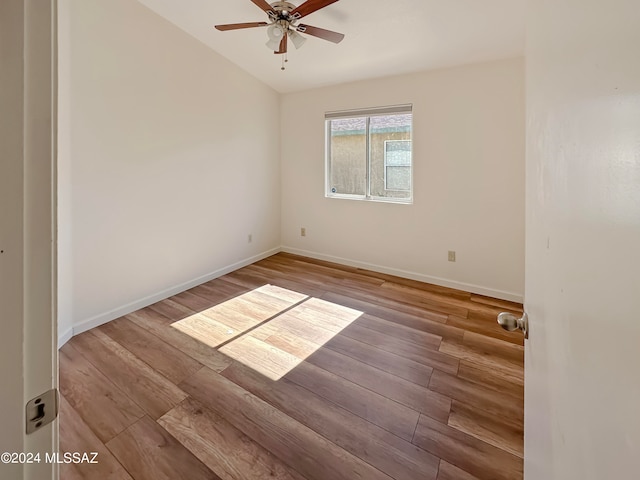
(283, 25)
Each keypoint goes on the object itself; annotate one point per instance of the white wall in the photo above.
(169, 160)
(582, 392)
(468, 180)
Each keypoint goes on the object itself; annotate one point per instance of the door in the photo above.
(582, 289)
(28, 363)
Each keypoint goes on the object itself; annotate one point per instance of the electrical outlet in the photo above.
(250, 238)
(303, 232)
(452, 256)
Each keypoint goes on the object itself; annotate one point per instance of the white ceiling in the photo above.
(383, 37)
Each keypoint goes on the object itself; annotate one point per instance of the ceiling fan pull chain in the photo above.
(282, 67)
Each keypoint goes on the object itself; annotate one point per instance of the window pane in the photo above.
(348, 156)
(390, 155)
(398, 152)
(398, 178)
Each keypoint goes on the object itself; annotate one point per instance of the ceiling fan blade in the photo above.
(264, 6)
(310, 6)
(236, 26)
(334, 37)
(283, 45)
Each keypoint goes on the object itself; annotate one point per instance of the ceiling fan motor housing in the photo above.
(283, 9)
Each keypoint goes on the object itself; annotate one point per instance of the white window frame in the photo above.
(367, 113)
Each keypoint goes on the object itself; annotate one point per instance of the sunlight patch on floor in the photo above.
(227, 320)
(269, 329)
(281, 344)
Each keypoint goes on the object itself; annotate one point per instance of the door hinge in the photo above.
(42, 410)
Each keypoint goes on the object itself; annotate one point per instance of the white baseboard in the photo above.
(64, 337)
(443, 282)
(105, 317)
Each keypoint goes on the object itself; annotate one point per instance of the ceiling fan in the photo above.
(283, 24)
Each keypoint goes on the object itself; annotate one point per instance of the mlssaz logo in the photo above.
(72, 457)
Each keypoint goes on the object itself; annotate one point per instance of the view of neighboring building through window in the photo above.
(369, 154)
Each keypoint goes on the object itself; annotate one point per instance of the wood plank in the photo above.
(451, 472)
(466, 452)
(428, 287)
(383, 299)
(76, 436)
(330, 315)
(335, 270)
(496, 302)
(218, 290)
(249, 278)
(423, 323)
(427, 356)
(245, 311)
(213, 332)
(415, 372)
(428, 300)
(153, 392)
(487, 427)
(296, 270)
(149, 452)
(171, 309)
(502, 405)
(367, 404)
(100, 403)
(261, 303)
(220, 318)
(490, 346)
(338, 282)
(220, 446)
(400, 332)
(262, 357)
(160, 326)
(315, 261)
(245, 279)
(490, 379)
(489, 312)
(289, 296)
(395, 388)
(309, 453)
(513, 371)
(290, 343)
(312, 329)
(381, 296)
(368, 442)
(161, 356)
(208, 326)
(284, 280)
(490, 329)
(309, 278)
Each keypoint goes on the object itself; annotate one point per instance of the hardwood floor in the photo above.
(292, 369)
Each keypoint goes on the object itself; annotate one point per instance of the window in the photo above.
(369, 154)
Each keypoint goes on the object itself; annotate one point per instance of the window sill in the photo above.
(400, 201)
